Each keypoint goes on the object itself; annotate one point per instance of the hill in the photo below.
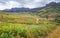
(51, 13)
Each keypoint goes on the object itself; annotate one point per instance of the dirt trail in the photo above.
(55, 33)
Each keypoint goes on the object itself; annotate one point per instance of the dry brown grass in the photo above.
(55, 33)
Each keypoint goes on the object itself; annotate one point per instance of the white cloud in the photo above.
(26, 4)
(12, 4)
(29, 6)
(9, 5)
(37, 0)
(2, 6)
(34, 3)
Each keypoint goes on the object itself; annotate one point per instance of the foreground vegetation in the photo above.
(55, 33)
(10, 30)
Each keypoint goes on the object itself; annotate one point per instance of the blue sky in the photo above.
(8, 4)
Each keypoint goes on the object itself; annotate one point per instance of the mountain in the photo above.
(17, 9)
(53, 4)
(31, 10)
(22, 10)
(50, 12)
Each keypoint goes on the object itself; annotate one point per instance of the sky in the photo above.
(8, 4)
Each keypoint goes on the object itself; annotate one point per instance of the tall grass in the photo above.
(10, 30)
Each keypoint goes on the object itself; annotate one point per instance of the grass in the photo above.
(17, 17)
(10, 30)
(55, 33)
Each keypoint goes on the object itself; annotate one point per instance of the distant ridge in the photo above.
(22, 10)
(53, 4)
(31, 10)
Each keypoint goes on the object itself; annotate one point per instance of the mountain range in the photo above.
(31, 10)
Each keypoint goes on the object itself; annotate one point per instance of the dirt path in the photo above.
(55, 33)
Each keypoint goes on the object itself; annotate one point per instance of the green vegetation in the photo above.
(17, 17)
(10, 30)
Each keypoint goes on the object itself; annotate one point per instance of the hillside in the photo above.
(51, 13)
